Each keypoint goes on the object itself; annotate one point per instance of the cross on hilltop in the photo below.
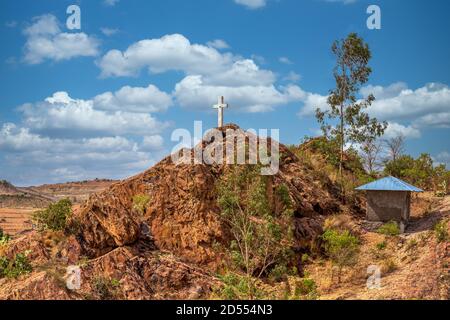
(220, 106)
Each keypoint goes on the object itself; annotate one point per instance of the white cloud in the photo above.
(134, 99)
(171, 52)
(252, 4)
(29, 158)
(151, 143)
(218, 44)
(425, 106)
(408, 111)
(46, 41)
(208, 74)
(396, 129)
(62, 138)
(193, 92)
(60, 115)
(285, 60)
(428, 105)
(109, 31)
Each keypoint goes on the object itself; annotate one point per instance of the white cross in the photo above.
(220, 106)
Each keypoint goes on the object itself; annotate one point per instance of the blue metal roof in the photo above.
(389, 184)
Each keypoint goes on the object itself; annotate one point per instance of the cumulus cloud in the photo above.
(134, 99)
(408, 111)
(395, 129)
(194, 92)
(252, 4)
(62, 138)
(45, 41)
(61, 115)
(30, 158)
(171, 52)
(425, 106)
(208, 74)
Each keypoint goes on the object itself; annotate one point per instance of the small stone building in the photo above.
(388, 199)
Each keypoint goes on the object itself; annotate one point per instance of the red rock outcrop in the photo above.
(182, 214)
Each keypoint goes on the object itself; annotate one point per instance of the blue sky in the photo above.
(103, 101)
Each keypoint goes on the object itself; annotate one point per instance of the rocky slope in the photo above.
(168, 245)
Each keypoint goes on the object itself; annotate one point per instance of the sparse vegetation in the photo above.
(390, 228)
(441, 231)
(140, 202)
(54, 217)
(388, 266)
(238, 287)
(261, 239)
(341, 247)
(305, 289)
(381, 245)
(13, 268)
(105, 288)
(4, 238)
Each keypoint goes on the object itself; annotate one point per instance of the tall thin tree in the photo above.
(350, 73)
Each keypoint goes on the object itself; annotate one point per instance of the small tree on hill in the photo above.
(261, 239)
(395, 147)
(350, 73)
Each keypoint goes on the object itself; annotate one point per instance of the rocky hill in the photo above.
(172, 247)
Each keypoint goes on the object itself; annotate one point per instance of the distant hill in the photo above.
(40, 196)
(6, 188)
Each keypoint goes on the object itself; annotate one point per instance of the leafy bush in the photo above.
(238, 287)
(341, 247)
(306, 289)
(441, 231)
(261, 239)
(140, 202)
(13, 268)
(55, 216)
(390, 229)
(421, 172)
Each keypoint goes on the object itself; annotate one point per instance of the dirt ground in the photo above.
(413, 265)
(13, 220)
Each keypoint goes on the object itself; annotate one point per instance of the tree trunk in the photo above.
(341, 161)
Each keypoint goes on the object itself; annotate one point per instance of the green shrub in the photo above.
(105, 288)
(283, 193)
(4, 238)
(262, 239)
(389, 229)
(238, 287)
(13, 268)
(140, 202)
(341, 247)
(306, 289)
(55, 216)
(440, 229)
(381, 245)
